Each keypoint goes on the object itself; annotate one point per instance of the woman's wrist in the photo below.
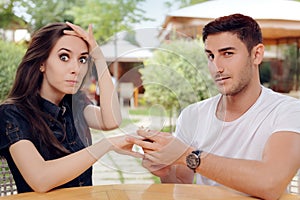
(100, 148)
(96, 53)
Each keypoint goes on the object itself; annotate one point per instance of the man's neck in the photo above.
(231, 107)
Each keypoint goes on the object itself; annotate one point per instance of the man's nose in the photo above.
(217, 64)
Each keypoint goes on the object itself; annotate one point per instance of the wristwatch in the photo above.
(193, 160)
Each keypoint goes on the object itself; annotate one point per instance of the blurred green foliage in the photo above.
(177, 75)
(10, 57)
(107, 17)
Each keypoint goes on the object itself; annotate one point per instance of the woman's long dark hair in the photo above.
(25, 90)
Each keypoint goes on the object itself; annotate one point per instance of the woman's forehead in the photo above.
(70, 42)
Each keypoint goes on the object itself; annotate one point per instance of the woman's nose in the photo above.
(75, 67)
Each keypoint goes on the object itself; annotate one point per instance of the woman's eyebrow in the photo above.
(85, 53)
(68, 50)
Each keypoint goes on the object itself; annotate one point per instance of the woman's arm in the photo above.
(43, 176)
(109, 115)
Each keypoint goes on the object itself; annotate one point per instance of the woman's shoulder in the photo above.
(14, 125)
(8, 107)
(8, 110)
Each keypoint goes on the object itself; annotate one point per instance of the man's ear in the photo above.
(258, 53)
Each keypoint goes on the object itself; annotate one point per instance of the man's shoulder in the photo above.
(280, 101)
(280, 97)
(203, 104)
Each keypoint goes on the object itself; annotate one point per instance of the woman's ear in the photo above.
(42, 68)
(258, 53)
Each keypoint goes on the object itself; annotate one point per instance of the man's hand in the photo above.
(156, 169)
(164, 148)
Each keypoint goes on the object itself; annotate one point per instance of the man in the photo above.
(247, 137)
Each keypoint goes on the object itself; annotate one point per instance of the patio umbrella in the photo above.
(279, 19)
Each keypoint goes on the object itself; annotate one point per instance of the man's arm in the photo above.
(179, 174)
(267, 178)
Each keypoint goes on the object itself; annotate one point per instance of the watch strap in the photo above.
(196, 153)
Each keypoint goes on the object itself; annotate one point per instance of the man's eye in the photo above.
(228, 53)
(211, 57)
(64, 57)
(83, 60)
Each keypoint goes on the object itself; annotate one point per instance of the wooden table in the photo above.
(140, 192)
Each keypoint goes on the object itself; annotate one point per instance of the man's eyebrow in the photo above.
(226, 49)
(207, 51)
(221, 50)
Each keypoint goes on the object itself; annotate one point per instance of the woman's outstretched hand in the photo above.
(120, 145)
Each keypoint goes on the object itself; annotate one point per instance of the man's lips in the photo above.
(217, 79)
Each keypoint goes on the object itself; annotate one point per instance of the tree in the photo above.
(183, 3)
(108, 17)
(10, 56)
(8, 18)
(38, 13)
(177, 75)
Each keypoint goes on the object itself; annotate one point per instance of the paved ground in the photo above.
(114, 168)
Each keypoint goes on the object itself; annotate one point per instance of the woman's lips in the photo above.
(72, 82)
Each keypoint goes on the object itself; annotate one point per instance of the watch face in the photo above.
(192, 161)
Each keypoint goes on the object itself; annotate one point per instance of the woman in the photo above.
(44, 122)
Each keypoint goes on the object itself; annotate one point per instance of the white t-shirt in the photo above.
(244, 137)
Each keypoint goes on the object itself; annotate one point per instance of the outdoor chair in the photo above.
(126, 90)
(7, 182)
(294, 186)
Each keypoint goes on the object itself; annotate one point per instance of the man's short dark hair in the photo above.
(245, 27)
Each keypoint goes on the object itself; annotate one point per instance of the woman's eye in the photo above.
(64, 57)
(83, 60)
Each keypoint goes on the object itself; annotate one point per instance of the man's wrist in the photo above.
(182, 159)
(193, 160)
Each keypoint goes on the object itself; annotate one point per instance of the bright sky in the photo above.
(157, 10)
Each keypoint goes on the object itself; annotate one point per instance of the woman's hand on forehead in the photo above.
(88, 36)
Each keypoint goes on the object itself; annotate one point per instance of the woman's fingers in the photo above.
(88, 36)
(142, 143)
